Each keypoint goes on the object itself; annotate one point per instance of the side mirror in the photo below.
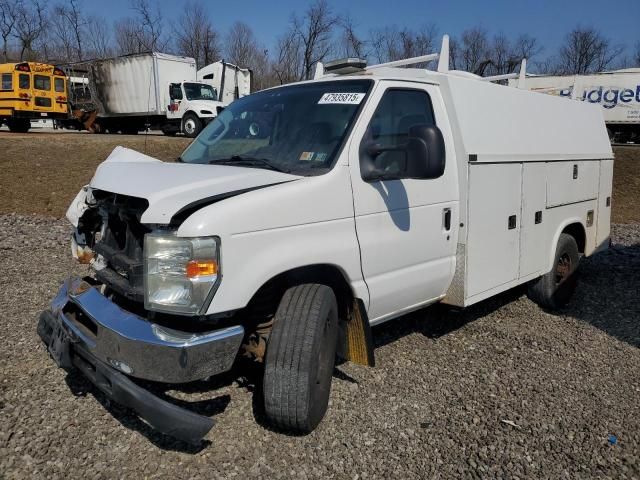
(424, 153)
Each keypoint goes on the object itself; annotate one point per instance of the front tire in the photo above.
(191, 125)
(555, 289)
(300, 358)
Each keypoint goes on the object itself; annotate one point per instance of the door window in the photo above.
(397, 112)
(175, 91)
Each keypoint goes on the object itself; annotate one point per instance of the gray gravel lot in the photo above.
(434, 406)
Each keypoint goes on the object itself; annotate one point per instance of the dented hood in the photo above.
(171, 187)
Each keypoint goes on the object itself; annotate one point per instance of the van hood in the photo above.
(174, 187)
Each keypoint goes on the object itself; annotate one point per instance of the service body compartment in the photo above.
(494, 226)
(571, 182)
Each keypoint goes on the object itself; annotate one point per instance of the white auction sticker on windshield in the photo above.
(341, 98)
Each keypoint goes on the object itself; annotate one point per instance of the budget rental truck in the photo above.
(131, 93)
(617, 92)
(305, 214)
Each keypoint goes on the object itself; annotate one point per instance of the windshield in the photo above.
(297, 128)
(200, 91)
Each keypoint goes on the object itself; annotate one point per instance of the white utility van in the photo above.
(304, 214)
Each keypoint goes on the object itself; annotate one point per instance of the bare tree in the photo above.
(351, 45)
(241, 45)
(586, 50)
(68, 30)
(389, 43)
(195, 35)
(636, 55)
(8, 19)
(99, 38)
(505, 56)
(31, 21)
(385, 44)
(314, 29)
(127, 37)
(150, 24)
(73, 22)
(288, 64)
(472, 51)
(142, 33)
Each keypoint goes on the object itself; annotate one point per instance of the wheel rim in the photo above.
(190, 126)
(563, 268)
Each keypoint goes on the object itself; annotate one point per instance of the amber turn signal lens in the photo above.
(200, 268)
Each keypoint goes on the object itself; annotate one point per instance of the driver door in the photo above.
(176, 97)
(405, 226)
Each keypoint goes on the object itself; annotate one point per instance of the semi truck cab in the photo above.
(305, 214)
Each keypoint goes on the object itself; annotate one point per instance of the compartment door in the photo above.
(493, 243)
(533, 243)
(604, 202)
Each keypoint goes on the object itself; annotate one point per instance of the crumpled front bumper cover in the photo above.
(85, 330)
(138, 347)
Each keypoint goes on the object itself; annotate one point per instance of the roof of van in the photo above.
(497, 123)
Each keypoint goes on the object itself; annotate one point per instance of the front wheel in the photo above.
(300, 358)
(555, 289)
(191, 125)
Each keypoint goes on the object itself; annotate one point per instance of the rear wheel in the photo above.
(19, 125)
(191, 125)
(300, 358)
(556, 288)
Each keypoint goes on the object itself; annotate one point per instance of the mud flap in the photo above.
(359, 339)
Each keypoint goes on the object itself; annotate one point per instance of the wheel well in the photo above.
(576, 230)
(265, 301)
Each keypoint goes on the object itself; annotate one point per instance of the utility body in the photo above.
(305, 214)
(152, 90)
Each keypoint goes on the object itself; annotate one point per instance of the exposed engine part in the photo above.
(255, 344)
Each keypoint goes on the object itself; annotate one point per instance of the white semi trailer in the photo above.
(151, 90)
(306, 213)
(617, 92)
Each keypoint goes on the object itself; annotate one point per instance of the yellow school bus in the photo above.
(30, 90)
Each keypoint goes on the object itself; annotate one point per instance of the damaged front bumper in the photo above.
(86, 330)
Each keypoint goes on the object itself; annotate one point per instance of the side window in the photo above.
(7, 81)
(175, 92)
(23, 81)
(397, 112)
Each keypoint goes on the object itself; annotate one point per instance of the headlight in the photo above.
(180, 273)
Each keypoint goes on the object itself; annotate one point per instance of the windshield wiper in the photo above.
(240, 161)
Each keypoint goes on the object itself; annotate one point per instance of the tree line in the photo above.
(64, 32)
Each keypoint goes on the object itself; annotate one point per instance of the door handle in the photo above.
(447, 218)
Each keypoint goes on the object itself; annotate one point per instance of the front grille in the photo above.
(43, 102)
(121, 243)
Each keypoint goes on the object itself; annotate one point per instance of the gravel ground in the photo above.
(502, 389)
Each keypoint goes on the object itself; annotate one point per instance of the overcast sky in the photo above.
(545, 19)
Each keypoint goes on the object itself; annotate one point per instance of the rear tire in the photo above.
(300, 358)
(555, 289)
(19, 125)
(191, 125)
